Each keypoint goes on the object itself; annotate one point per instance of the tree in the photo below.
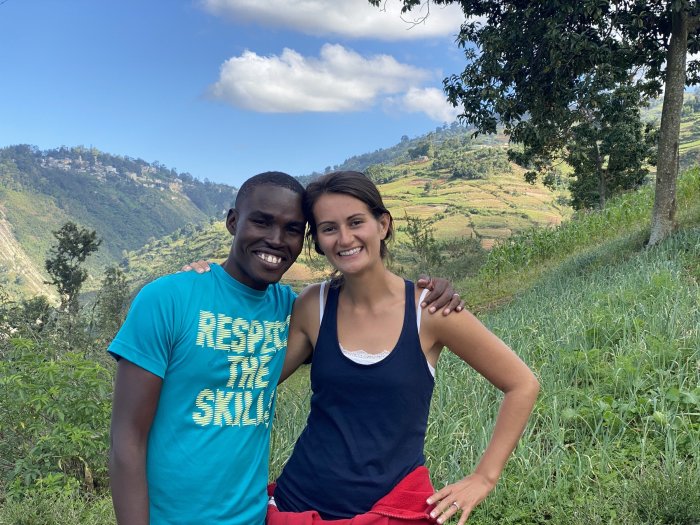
(378, 173)
(422, 244)
(424, 149)
(112, 302)
(537, 61)
(608, 147)
(64, 262)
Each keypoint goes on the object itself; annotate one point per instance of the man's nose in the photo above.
(276, 236)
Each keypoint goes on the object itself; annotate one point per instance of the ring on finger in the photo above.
(456, 505)
(455, 295)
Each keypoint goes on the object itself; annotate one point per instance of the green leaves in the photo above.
(64, 261)
(54, 418)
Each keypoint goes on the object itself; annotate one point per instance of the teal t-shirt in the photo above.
(219, 347)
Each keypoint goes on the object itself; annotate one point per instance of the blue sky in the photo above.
(223, 89)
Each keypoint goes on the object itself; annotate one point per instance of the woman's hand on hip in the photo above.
(461, 497)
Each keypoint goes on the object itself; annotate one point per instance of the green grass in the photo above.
(518, 262)
(58, 509)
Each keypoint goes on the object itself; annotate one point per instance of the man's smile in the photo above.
(269, 258)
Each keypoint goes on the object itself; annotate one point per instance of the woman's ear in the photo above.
(384, 223)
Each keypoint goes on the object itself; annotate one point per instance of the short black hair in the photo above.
(274, 178)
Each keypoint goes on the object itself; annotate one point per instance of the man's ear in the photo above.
(232, 220)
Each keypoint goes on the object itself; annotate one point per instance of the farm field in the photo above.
(492, 208)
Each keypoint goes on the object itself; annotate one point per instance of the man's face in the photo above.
(268, 230)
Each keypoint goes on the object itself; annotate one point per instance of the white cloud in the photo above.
(430, 101)
(348, 18)
(338, 80)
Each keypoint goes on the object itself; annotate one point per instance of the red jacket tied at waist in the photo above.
(404, 505)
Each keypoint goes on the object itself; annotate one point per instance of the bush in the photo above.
(54, 418)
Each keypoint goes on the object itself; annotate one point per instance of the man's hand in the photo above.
(200, 266)
(442, 295)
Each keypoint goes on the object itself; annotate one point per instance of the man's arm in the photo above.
(442, 293)
(136, 394)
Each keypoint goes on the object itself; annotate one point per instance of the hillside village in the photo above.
(101, 171)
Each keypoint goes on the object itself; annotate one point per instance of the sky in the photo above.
(223, 89)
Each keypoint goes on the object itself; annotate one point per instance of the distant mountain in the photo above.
(400, 152)
(127, 201)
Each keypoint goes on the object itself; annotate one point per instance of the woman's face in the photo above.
(348, 233)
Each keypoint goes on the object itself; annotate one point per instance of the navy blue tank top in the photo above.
(366, 428)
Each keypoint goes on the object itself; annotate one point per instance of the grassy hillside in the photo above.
(491, 208)
(128, 201)
(400, 152)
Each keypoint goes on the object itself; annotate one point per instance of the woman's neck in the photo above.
(369, 288)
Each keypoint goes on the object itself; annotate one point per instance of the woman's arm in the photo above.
(465, 336)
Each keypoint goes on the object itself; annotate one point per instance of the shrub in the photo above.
(54, 418)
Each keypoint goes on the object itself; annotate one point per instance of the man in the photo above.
(199, 360)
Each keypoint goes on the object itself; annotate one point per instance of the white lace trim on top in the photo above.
(363, 357)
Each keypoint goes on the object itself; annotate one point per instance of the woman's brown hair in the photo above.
(354, 184)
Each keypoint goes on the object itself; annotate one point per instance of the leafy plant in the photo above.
(54, 419)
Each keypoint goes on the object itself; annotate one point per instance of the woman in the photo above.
(372, 376)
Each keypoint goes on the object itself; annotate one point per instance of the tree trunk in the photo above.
(601, 176)
(664, 212)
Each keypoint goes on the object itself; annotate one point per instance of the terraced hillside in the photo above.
(491, 208)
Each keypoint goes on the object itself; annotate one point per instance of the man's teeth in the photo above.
(350, 252)
(270, 258)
